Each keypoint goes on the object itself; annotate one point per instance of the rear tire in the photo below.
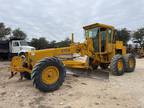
(117, 65)
(38, 73)
(130, 62)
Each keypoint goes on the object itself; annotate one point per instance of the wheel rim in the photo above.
(50, 75)
(131, 63)
(120, 65)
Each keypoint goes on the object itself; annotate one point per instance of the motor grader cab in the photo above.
(104, 44)
(46, 67)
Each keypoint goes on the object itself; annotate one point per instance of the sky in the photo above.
(57, 19)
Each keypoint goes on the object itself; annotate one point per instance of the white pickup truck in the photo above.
(13, 47)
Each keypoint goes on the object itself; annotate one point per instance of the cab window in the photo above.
(15, 44)
(23, 43)
(115, 36)
(92, 32)
(109, 35)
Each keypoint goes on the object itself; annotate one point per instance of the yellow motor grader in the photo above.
(46, 67)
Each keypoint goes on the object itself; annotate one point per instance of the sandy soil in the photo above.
(93, 90)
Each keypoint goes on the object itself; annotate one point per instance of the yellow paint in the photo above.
(120, 65)
(76, 64)
(83, 49)
(50, 75)
(98, 25)
(16, 63)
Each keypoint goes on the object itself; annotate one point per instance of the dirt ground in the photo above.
(87, 90)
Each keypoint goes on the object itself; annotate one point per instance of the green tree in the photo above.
(19, 34)
(64, 43)
(43, 43)
(40, 43)
(4, 31)
(35, 43)
(52, 44)
(139, 36)
(123, 35)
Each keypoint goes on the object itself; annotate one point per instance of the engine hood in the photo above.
(26, 48)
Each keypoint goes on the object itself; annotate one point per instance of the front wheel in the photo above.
(117, 65)
(48, 74)
(130, 62)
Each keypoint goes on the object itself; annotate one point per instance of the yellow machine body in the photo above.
(104, 51)
(101, 48)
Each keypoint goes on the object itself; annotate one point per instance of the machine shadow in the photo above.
(95, 74)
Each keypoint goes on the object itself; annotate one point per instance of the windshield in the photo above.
(23, 43)
(92, 32)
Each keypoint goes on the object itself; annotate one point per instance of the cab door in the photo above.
(103, 39)
(15, 47)
(95, 39)
(110, 40)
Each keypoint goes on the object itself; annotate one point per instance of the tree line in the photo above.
(7, 31)
(137, 36)
(38, 43)
(42, 43)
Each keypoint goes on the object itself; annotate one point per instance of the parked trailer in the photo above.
(4, 49)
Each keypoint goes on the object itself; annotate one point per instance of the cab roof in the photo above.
(97, 25)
